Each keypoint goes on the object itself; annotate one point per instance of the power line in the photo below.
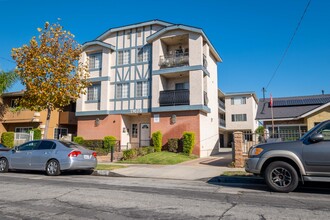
(287, 48)
(7, 59)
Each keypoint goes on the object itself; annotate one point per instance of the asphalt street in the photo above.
(72, 196)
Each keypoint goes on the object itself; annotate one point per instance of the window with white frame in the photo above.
(95, 61)
(143, 54)
(124, 57)
(238, 100)
(60, 132)
(23, 129)
(122, 90)
(93, 93)
(141, 89)
(238, 117)
(134, 130)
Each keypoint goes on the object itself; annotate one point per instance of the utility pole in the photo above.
(263, 92)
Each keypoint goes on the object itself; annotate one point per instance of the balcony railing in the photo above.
(174, 97)
(222, 122)
(221, 104)
(174, 60)
(204, 61)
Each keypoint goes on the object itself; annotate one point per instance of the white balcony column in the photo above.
(195, 49)
(156, 52)
(155, 91)
(196, 87)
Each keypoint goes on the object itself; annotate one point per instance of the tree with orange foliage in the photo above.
(50, 69)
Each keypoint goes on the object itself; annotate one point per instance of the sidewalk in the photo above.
(200, 168)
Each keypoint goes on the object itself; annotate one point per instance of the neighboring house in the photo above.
(147, 77)
(61, 123)
(294, 114)
(237, 112)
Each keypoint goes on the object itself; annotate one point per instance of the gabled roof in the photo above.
(97, 42)
(291, 108)
(131, 26)
(186, 28)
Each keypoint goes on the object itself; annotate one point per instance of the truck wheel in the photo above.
(281, 177)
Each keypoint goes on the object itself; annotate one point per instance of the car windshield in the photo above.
(72, 145)
(1, 146)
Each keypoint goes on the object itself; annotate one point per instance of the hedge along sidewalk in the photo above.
(161, 158)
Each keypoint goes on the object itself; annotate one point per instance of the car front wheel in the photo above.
(53, 168)
(281, 177)
(4, 165)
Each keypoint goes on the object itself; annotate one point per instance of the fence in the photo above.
(21, 138)
(244, 141)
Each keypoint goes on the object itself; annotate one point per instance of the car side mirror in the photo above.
(314, 138)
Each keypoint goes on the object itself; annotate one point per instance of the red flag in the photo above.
(271, 100)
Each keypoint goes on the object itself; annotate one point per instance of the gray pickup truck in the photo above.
(284, 164)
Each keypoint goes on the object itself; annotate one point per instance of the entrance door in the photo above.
(222, 140)
(145, 135)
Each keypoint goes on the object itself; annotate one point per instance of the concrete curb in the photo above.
(106, 173)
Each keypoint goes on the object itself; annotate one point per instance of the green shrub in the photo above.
(142, 151)
(78, 140)
(150, 149)
(157, 141)
(173, 144)
(93, 144)
(188, 142)
(129, 154)
(109, 143)
(36, 133)
(7, 138)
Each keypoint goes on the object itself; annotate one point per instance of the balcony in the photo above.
(67, 118)
(22, 116)
(174, 97)
(222, 122)
(221, 104)
(174, 59)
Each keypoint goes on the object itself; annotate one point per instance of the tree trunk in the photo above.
(47, 122)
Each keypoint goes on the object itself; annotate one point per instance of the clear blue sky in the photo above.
(250, 36)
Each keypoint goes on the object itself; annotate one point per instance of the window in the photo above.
(179, 86)
(238, 100)
(59, 132)
(139, 33)
(122, 90)
(134, 131)
(23, 129)
(238, 117)
(95, 61)
(46, 145)
(14, 103)
(143, 54)
(29, 146)
(325, 131)
(124, 57)
(128, 35)
(93, 93)
(141, 89)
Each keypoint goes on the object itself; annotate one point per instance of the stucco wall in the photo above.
(319, 116)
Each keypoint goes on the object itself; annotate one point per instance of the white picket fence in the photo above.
(21, 138)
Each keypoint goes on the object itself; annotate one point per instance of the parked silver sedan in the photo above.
(52, 156)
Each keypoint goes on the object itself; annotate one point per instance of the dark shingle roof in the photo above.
(290, 107)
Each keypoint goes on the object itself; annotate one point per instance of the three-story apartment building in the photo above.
(237, 112)
(147, 77)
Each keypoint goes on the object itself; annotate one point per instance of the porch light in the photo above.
(97, 122)
(173, 119)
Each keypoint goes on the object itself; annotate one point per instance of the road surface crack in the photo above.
(227, 210)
